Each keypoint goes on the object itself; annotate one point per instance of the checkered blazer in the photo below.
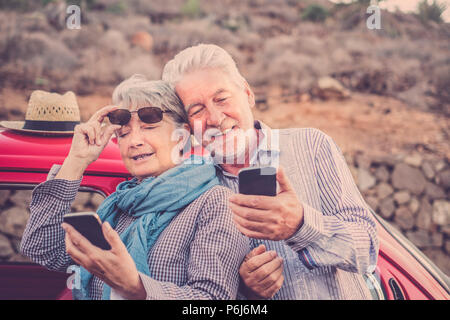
(197, 256)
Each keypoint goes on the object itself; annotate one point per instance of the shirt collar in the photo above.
(266, 147)
(267, 134)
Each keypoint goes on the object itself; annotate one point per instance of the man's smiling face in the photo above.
(219, 107)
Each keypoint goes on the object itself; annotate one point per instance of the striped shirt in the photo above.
(197, 256)
(337, 243)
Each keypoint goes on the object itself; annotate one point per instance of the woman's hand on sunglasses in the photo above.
(91, 137)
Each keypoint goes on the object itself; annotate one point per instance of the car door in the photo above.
(20, 278)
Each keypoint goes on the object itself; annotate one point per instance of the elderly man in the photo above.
(316, 238)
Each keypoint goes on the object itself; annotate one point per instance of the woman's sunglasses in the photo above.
(146, 114)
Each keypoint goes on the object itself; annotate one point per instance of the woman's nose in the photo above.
(136, 138)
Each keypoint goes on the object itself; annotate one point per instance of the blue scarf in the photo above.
(154, 202)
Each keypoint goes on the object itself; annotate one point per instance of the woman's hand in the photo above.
(115, 266)
(89, 140)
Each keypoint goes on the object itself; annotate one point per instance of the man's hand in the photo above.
(270, 218)
(261, 274)
(115, 266)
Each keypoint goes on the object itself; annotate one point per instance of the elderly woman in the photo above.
(169, 228)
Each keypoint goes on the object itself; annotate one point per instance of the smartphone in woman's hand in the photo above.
(88, 225)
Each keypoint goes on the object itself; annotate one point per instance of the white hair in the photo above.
(202, 56)
(138, 91)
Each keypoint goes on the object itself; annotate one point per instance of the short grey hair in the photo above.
(138, 91)
(202, 56)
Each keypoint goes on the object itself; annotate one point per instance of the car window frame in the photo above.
(32, 186)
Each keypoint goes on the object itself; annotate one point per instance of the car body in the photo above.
(402, 271)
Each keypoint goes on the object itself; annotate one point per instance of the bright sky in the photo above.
(407, 6)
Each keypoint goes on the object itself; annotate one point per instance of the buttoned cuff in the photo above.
(115, 295)
(150, 286)
(311, 230)
(65, 190)
(154, 289)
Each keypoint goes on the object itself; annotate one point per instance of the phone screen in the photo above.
(87, 224)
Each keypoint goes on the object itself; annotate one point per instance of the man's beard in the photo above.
(232, 148)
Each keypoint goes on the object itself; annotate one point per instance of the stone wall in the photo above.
(15, 212)
(412, 193)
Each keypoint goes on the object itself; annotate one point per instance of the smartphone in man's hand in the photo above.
(260, 181)
(88, 225)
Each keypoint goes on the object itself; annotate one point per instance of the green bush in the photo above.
(119, 7)
(191, 9)
(17, 4)
(431, 12)
(315, 13)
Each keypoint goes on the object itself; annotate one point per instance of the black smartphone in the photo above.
(261, 181)
(87, 224)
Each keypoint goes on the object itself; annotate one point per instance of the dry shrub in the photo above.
(144, 64)
(97, 68)
(441, 82)
(278, 11)
(369, 76)
(159, 11)
(113, 42)
(37, 55)
(289, 69)
(128, 27)
(294, 63)
(79, 40)
(172, 38)
(35, 21)
(341, 59)
(262, 25)
(416, 95)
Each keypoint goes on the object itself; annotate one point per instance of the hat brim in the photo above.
(18, 126)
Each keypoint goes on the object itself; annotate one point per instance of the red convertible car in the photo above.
(403, 272)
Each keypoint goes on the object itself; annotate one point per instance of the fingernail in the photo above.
(108, 226)
(63, 225)
(273, 254)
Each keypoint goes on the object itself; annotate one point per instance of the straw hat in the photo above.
(49, 114)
